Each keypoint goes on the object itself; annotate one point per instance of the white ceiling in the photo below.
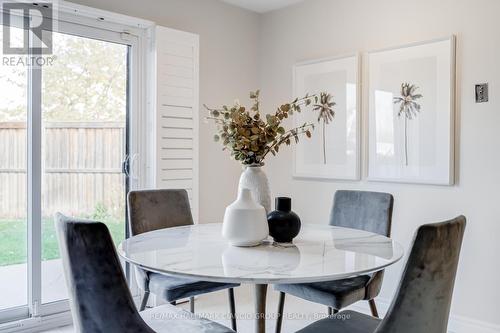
(262, 6)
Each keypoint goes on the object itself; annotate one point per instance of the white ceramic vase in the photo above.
(245, 222)
(254, 178)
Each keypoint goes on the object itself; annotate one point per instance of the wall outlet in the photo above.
(482, 93)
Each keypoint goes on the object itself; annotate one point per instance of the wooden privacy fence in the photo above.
(81, 168)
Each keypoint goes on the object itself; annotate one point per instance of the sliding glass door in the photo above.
(84, 104)
(64, 134)
(13, 182)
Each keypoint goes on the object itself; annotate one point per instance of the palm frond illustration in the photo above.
(408, 108)
(326, 114)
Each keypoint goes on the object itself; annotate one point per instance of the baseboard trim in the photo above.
(460, 324)
(457, 324)
(38, 324)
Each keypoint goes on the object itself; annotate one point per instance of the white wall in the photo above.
(228, 69)
(322, 28)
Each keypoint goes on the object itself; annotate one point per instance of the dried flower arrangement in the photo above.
(250, 138)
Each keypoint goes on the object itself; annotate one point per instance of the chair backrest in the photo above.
(423, 299)
(369, 211)
(99, 295)
(158, 209)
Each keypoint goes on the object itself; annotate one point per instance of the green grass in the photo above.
(13, 239)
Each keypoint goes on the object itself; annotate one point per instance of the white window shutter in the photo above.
(177, 116)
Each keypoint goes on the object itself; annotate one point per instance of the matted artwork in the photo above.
(411, 113)
(333, 150)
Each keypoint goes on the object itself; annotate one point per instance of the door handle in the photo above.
(126, 166)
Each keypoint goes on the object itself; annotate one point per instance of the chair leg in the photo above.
(373, 308)
(281, 306)
(144, 300)
(232, 308)
(191, 304)
(332, 311)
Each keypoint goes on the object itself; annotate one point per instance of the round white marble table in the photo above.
(319, 253)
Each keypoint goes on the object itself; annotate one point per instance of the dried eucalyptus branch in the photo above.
(250, 138)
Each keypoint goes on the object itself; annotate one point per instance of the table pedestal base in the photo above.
(260, 308)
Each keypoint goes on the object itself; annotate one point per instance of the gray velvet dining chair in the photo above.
(99, 296)
(158, 209)
(423, 298)
(369, 211)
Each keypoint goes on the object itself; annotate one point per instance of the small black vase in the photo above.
(284, 224)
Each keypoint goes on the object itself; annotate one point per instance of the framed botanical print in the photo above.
(333, 150)
(411, 113)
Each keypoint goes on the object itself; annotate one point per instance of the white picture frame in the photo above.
(336, 155)
(419, 149)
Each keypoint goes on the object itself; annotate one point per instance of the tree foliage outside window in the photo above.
(86, 82)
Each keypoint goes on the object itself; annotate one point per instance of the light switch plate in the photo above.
(482, 93)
